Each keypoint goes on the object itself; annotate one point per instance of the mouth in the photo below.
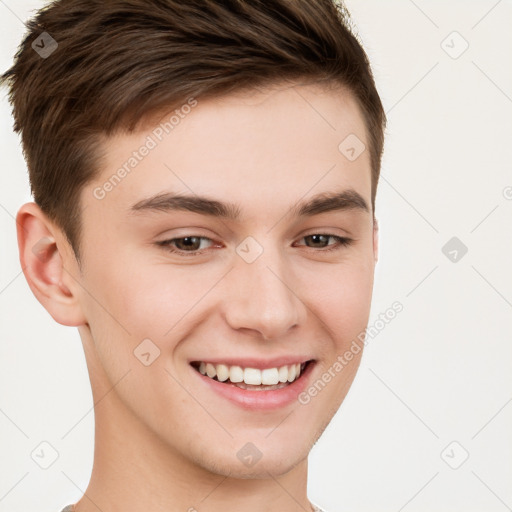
(255, 387)
(252, 378)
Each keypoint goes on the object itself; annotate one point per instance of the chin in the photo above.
(261, 470)
(271, 462)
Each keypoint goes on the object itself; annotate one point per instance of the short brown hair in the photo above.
(118, 61)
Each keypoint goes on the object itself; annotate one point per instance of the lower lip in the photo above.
(259, 400)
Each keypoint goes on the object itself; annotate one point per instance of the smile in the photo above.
(255, 388)
(252, 378)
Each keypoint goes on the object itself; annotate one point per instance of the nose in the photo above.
(262, 297)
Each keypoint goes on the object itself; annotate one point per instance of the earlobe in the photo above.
(41, 247)
(375, 239)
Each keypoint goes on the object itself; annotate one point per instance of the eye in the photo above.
(320, 240)
(196, 245)
(186, 246)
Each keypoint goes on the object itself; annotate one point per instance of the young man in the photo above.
(204, 176)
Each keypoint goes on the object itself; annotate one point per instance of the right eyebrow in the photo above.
(167, 202)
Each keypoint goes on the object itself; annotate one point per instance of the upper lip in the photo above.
(254, 362)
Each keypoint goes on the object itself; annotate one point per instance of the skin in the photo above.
(163, 443)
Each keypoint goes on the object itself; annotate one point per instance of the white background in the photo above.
(439, 372)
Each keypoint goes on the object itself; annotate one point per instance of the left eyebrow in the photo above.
(328, 202)
(321, 203)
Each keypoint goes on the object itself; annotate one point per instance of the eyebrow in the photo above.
(321, 203)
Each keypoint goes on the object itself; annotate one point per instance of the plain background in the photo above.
(435, 385)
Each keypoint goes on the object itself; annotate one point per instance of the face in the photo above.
(268, 264)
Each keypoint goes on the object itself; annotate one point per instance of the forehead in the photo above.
(260, 147)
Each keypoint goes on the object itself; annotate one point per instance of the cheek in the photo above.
(161, 300)
(129, 315)
(343, 307)
(147, 299)
(342, 296)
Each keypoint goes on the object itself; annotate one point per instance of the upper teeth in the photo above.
(254, 376)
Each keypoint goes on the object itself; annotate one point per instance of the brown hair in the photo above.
(119, 61)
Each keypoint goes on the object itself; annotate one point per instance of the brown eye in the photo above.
(187, 245)
(320, 241)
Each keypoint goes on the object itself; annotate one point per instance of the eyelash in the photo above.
(166, 244)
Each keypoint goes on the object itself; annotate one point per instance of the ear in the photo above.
(47, 260)
(375, 239)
